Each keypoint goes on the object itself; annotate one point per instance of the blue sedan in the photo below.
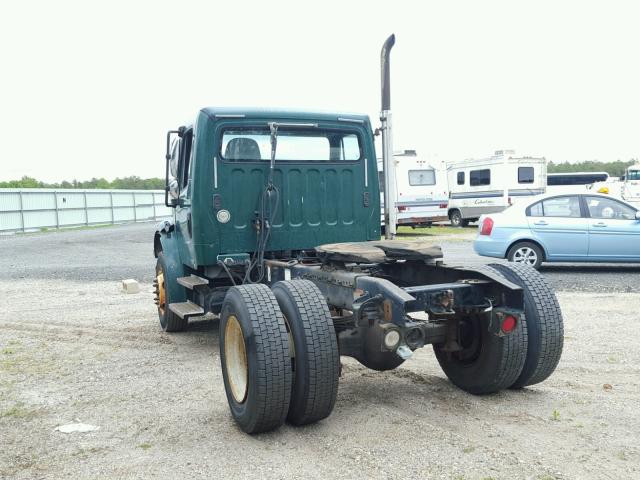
(562, 228)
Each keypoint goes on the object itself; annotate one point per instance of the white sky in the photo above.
(89, 88)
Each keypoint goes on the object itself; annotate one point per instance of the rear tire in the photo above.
(315, 355)
(526, 253)
(544, 323)
(169, 321)
(254, 353)
(488, 363)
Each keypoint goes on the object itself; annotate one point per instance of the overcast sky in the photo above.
(88, 89)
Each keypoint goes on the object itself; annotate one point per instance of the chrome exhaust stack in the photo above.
(388, 165)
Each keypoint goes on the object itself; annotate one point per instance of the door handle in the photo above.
(600, 224)
(541, 222)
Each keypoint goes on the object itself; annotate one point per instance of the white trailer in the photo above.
(489, 185)
(630, 190)
(421, 190)
(578, 182)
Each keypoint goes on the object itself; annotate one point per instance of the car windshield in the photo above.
(254, 144)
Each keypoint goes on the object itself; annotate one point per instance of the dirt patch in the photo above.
(85, 352)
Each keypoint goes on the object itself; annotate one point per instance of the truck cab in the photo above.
(324, 182)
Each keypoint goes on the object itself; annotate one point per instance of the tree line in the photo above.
(615, 169)
(124, 183)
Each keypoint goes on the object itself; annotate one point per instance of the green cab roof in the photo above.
(253, 112)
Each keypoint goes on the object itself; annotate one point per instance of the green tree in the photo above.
(124, 183)
(615, 169)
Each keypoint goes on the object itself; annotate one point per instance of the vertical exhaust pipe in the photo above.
(388, 164)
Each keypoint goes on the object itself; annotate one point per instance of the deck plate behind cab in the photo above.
(379, 251)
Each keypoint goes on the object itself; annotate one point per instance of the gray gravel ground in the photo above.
(73, 348)
(126, 251)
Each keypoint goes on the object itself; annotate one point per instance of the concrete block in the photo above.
(130, 286)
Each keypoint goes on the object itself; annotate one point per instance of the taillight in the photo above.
(402, 209)
(487, 226)
(510, 202)
(443, 205)
(509, 324)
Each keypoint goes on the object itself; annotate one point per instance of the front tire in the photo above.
(544, 324)
(526, 253)
(169, 321)
(254, 353)
(315, 354)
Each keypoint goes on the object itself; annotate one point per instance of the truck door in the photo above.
(183, 208)
(560, 226)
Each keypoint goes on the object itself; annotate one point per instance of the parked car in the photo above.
(562, 228)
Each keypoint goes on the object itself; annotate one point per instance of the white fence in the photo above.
(31, 209)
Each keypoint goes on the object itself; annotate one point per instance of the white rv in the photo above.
(421, 190)
(630, 191)
(489, 185)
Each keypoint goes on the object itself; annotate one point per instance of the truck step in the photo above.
(192, 281)
(186, 309)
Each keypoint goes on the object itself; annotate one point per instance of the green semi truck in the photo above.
(277, 231)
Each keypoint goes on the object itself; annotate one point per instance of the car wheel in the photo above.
(526, 253)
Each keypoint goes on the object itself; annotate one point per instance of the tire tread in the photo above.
(547, 333)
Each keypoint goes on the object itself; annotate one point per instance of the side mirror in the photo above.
(638, 215)
(167, 184)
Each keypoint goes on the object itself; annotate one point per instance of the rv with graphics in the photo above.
(631, 185)
(421, 190)
(489, 185)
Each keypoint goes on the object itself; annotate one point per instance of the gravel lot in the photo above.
(73, 348)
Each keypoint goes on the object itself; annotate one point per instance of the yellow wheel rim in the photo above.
(162, 296)
(235, 355)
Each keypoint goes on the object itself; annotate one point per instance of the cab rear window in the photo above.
(314, 145)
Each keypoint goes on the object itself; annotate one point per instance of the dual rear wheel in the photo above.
(488, 363)
(279, 354)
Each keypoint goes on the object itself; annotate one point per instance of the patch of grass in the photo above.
(555, 415)
(434, 231)
(622, 455)
(612, 359)
(7, 351)
(71, 228)
(468, 449)
(87, 452)
(145, 446)
(18, 411)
